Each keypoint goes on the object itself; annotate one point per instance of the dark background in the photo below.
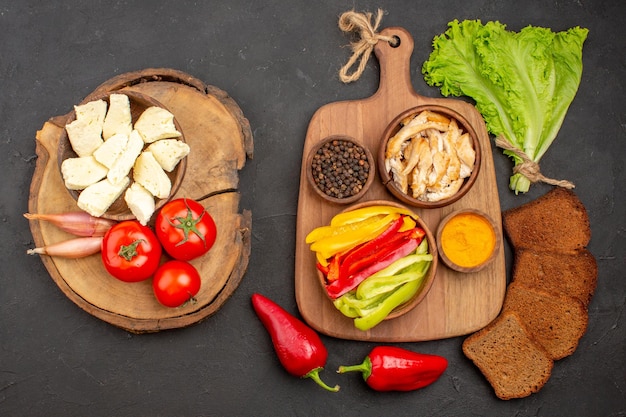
(279, 60)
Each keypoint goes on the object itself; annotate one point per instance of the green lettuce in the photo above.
(522, 82)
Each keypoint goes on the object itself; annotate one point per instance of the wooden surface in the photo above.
(220, 140)
(457, 303)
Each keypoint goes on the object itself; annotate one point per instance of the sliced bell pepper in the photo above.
(372, 246)
(361, 214)
(374, 286)
(399, 265)
(334, 268)
(339, 287)
(345, 309)
(322, 268)
(356, 307)
(331, 245)
(330, 231)
(395, 299)
(408, 223)
(352, 265)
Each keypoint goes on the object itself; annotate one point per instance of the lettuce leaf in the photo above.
(522, 82)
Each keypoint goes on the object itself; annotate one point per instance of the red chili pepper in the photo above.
(298, 347)
(339, 287)
(389, 368)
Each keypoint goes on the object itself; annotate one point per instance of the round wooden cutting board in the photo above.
(220, 139)
(457, 303)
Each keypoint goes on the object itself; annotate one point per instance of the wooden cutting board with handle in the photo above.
(457, 303)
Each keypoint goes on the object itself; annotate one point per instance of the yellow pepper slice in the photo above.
(328, 246)
(329, 231)
(407, 224)
(323, 261)
(361, 214)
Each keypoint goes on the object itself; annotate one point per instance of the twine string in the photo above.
(528, 167)
(361, 24)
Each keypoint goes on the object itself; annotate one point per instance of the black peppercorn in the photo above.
(340, 168)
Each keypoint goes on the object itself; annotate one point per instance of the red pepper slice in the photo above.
(339, 287)
(323, 269)
(371, 247)
(391, 244)
(299, 348)
(389, 368)
(333, 269)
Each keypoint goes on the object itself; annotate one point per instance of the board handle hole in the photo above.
(395, 42)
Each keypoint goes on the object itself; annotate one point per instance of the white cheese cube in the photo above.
(111, 149)
(123, 164)
(151, 176)
(156, 123)
(97, 198)
(140, 202)
(79, 173)
(118, 119)
(94, 110)
(169, 152)
(85, 136)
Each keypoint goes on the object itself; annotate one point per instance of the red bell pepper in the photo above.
(389, 368)
(298, 347)
(341, 286)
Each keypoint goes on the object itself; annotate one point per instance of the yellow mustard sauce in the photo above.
(468, 239)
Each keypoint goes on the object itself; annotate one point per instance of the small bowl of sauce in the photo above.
(467, 240)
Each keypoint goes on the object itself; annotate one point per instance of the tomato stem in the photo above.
(128, 252)
(188, 224)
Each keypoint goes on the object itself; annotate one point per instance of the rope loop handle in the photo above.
(361, 24)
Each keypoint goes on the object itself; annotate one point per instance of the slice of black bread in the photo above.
(575, 275)
(510, 359)
(556, 221)
(555, 321)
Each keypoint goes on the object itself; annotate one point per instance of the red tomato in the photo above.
(175, 283)
(186, 230)
(131, 252)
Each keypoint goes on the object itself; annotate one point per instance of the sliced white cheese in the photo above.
(97, 198)
(79, 173)
(156, 123)
(140, 202)
(169, 152)
(151, 176)
(85, 135)
(111, 149)
(118, 119)
(123, 164)
(94, 111)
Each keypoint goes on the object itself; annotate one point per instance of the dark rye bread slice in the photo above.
(556, 221)
(575, 275)
(556, 322)
(511, 361)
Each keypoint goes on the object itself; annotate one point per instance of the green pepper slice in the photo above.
(378, 314)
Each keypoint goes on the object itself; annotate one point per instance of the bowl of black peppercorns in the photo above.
(339, 169)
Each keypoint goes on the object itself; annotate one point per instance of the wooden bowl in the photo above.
(394, 127)
(430, 275)
(348, 197)
(488, 249)
(119, 211)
